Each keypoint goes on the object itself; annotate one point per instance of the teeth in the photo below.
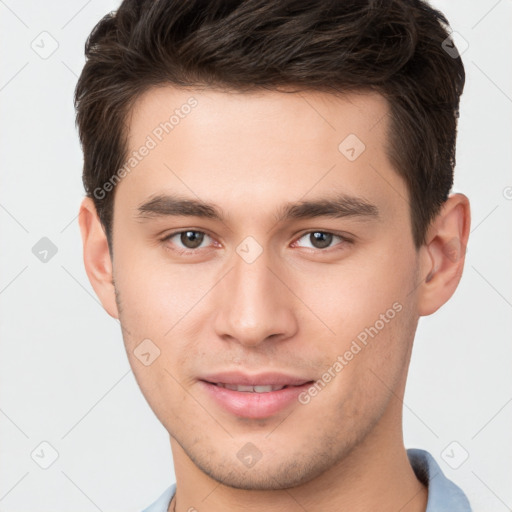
(250, 389)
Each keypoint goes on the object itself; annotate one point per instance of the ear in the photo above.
(443, 254)
(97, 260)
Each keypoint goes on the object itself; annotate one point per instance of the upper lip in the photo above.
(260, 379)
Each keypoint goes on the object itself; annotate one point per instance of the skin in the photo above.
(295, 309)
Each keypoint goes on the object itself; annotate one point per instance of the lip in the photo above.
(254, 405)
(260, 379)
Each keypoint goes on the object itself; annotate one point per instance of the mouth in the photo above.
(250, 389)
(253, 398)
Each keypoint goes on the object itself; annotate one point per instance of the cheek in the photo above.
(367, 375)
(371, 314)
(155, 297)
(351, 296)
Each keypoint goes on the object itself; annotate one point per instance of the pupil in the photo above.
(191, 239)
(321, 240)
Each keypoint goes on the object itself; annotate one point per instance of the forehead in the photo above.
(267, 144)
(308, 113)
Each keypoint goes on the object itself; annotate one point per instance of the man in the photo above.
(268, 214)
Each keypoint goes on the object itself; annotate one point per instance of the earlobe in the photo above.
(96, 254)
(443, 254)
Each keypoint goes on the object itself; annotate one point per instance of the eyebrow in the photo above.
(338, 206)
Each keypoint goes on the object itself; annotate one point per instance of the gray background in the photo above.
(64, 376)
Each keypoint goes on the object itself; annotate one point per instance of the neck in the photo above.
(375, 475)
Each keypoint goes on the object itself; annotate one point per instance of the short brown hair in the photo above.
(393, 47)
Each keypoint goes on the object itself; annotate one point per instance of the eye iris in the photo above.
(321, 240)
(191, 239)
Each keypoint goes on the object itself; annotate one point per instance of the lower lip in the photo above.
(254, 405)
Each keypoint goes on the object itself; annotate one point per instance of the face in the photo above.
(265, 239)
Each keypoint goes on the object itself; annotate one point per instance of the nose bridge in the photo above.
(254, 304)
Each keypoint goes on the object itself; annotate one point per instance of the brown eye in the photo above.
(318, 239)
(184, 241)
(191, 239)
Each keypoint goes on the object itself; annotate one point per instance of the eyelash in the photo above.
(344, 240)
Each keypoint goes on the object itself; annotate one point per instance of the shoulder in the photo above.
(162, 503)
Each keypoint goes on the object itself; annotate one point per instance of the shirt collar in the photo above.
(443, 494)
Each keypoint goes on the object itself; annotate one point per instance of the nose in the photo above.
(255, 304)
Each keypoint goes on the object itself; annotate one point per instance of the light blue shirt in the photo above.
(443, 494)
